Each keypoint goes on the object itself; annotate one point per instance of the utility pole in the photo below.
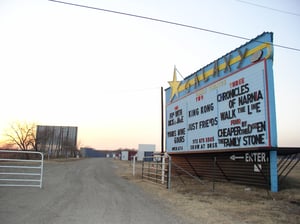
(162, 119)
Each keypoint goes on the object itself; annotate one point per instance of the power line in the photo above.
(266, 7)
(168, 22)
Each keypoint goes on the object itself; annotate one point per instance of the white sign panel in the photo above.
(229, 113)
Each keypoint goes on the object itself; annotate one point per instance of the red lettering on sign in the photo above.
(237, 82)
(199, 98)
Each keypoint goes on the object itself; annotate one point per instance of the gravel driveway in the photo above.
(82, 191)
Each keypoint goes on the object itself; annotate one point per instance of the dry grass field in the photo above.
(203, 202)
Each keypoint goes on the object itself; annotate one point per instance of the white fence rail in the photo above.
(21, 168)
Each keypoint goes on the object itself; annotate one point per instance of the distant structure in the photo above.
(123, 154)
(88, 152)
(57, 141)
(145, 150)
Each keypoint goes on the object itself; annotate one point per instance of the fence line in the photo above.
(21, 168)
(157, 170)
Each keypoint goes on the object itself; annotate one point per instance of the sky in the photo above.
(103, 72)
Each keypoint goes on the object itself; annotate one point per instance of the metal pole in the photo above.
(215, 160)
(42, 169)
(169, 172)
(162, 119)
(143, 170)
(156, 172)
(162, 169)
(133, 166)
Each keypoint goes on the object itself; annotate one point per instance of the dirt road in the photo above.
(83, 191)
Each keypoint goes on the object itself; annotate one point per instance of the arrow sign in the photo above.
(234, 157)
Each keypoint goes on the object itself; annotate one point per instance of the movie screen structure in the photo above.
(57, 141)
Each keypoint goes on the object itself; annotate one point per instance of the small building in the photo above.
(90, 152)
(115, 154)
(124, 155)
(145, 151)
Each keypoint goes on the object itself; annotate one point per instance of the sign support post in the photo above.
(273, 171)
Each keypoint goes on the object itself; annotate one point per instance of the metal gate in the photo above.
(157, 169)
(21, 168)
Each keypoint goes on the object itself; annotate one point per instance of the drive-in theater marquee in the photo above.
(227, 105)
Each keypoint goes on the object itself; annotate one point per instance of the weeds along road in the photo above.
(82, 191)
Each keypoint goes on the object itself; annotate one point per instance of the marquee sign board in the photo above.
(226, 105)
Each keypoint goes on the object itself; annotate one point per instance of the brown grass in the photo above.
(224, 202)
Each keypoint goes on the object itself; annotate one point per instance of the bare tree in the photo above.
(22, 134)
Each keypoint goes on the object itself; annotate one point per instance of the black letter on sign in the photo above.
(242, 55)
(227, 63)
